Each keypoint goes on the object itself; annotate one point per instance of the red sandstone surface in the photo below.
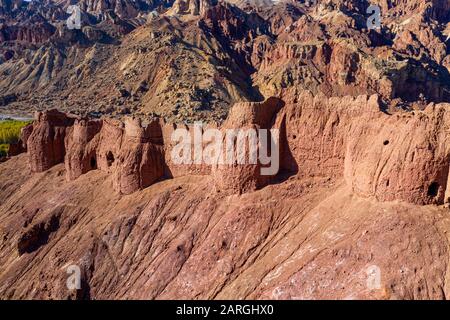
(364, 130)
(341, 204)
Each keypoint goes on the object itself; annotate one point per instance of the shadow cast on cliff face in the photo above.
(288, 164)
(167, 173)
(432, 86)
(39, 234)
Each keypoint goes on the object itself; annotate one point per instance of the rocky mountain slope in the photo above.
(193, 60)
(363, 119)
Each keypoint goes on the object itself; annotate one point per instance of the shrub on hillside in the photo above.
(10, 131)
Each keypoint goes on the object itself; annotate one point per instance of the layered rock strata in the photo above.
(400, 156)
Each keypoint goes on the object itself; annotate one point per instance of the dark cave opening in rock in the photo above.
(110, 158)
(93, 163)
(433, 189)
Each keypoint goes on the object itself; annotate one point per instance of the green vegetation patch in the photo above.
(4, 150)
(9, 133)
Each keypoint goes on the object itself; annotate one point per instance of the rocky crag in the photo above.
(194, 59)
(400, 156)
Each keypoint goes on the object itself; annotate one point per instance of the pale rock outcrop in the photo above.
(239, 178)
(192, 7)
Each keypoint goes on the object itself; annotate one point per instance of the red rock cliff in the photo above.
(400, 156)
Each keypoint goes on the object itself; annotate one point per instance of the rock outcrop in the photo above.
(81, 145)
(399, 156)
(140, 161)
(192, 7)
(132, 153)
(246, 51)
(136, 155)
(234, 175)
(36, 31)
(302, 238)
(45, 145)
